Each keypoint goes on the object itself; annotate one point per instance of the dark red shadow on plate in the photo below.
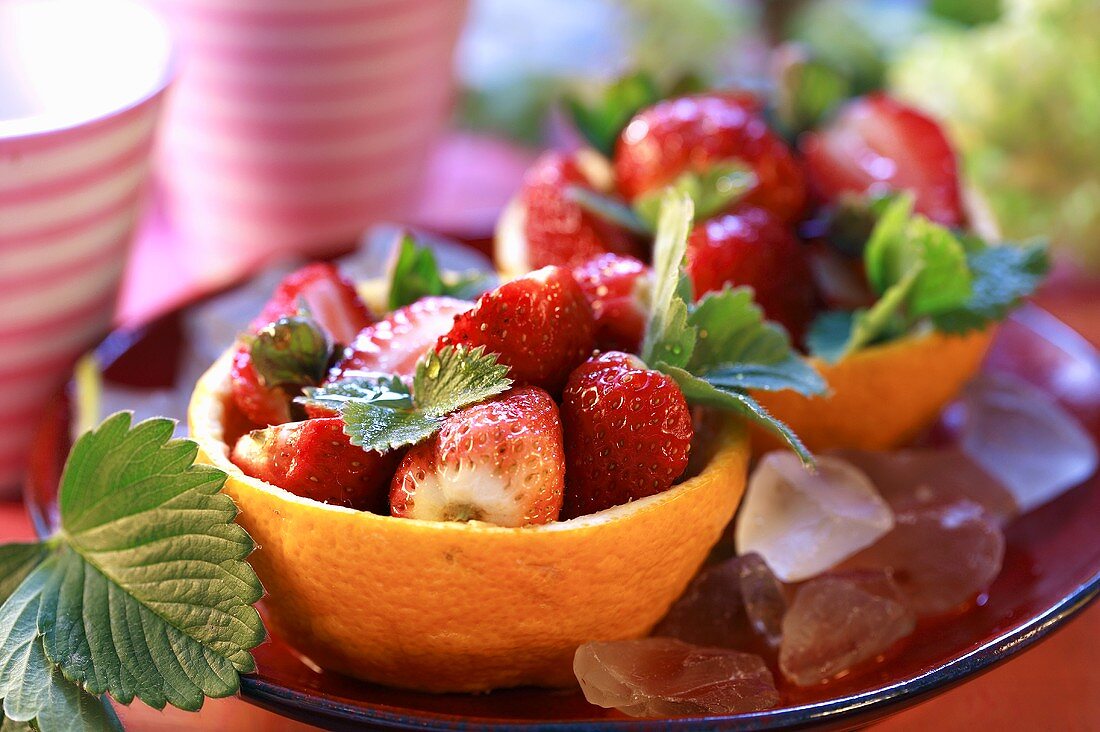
(1051, 571)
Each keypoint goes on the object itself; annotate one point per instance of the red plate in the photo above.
(1051, 571)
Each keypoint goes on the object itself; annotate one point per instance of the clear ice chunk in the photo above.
(763, 596)
(1022, 437)
(711, 611)
(803, 523)
(661, 677)
(837, 622)
(941, 557)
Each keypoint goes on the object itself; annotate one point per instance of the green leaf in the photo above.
(1003, 276)
(602, 120)
(608, 209)
(148, 594)
(807, 90)
(31, 686)
(16, 562)
(829, 334)
(291, 352)
(455, 376)
(699, 391)
(380, 389)
(884, 319)
(416, 275)
(666, 330)
(792, 373)
(711, 190)
(445, 381)
(381, 429)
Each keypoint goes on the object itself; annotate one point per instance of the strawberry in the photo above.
(627, 433)
(751, 247)
(314, 459)
(692, 133)
(500, 461)
(394, 344)
(330, 298)
(540, 325)
(616, 288)
(557, 229)
(877, 144)
(333, 303)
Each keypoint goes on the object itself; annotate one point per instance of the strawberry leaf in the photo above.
(608, 209)
(16, 562)
(700, 391)
(712, 190)
(667, 334)
(829, 333)
(291, 352)
(146, 592)
(31, 686)
(381, 389)
(445, 381)
(416, 275)
(602, 120)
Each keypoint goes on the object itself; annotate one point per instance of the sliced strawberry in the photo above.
(695, 132)
(333, 302)
(557, 229)
(314, 459)
(394, 344)
(616, 287)
(539, 324)
(330, 297)
(500, 461)
(257, 402)
(877, 144)
(627, 433)
(751, 247)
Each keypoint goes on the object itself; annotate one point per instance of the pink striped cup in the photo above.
(80, 87)
(297, 123)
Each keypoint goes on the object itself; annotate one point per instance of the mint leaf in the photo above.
(806, 90)
(792, 373)
(16, 562)
(31, 686)
(901, 243)
(700, 391)
(1003, 276)
(455, 376)
(148, 593)
(712, 190)
(601, 120)
(667, 335)
(445, 381)
(380, 389)
(416, 275)
(291, 352)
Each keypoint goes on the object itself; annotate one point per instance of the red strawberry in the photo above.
(877, 144)
(314, 459)
(616, 286)
(500, 461)
(557, 229)
(394, 344)
(330, 297)
(335, 305)
(751, 247)
(692, 133)
(539, 324)
(627, 433)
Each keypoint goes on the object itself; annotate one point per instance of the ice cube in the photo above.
(941, 557)
(711, 611)
(801, 522)
(921, 478)
(1022, 437)
(837, 622)
(660, 677)
(763, 596)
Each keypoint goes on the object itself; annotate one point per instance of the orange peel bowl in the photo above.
(453, 607)
(880, 397)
